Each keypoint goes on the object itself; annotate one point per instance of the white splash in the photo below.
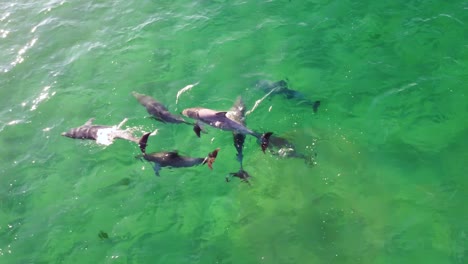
(4, 33)
(183, 90)
(106, 136)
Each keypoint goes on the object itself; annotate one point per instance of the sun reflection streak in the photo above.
(45, 94)
(5, 16)
(19, 58)
(4, 33)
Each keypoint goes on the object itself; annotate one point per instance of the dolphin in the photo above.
(237, 113)
(221, 120)
(103, 135)
(172, 158)
(283, 148)
(157, 110)
(281, 88)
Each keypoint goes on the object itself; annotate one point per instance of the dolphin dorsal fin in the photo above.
(89, 122)
(172, 154)
(221, 114)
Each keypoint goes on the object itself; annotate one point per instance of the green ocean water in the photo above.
(389, 182)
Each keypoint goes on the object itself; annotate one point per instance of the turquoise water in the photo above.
(390, 135)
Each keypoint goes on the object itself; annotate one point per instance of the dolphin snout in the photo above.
(186, 112)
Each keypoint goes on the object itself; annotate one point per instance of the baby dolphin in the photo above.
(172, 158)
(220, 120)
(103, 135)
(158, 110)
(281, 88)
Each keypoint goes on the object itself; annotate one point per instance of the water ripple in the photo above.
(20, 57)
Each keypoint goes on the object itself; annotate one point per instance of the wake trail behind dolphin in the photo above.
(185, 89)
(259, 101)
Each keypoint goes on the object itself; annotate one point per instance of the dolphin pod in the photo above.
(232, 120)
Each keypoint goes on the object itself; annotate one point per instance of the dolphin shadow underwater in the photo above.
(281, 87)
(172, 159)
(103, 135)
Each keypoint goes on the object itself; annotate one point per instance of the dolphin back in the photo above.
(84, 132)
(157, 109)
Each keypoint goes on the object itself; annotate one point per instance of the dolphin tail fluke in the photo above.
(142, 142)
(265, 140)
(211, 158)
(241, 174)
(197, 129)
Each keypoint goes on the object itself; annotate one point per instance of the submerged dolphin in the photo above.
(237, 113)
(172, 158)
(220, 120)
(103, 135)
(281, 88)
(282, 147)
(158, 110)
(241, 174)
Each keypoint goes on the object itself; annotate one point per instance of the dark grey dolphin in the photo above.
(284, 148)
(103, 135)
(220, 120)
(158, 110)
(172, 158)
(237, 113)
(281, 88)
